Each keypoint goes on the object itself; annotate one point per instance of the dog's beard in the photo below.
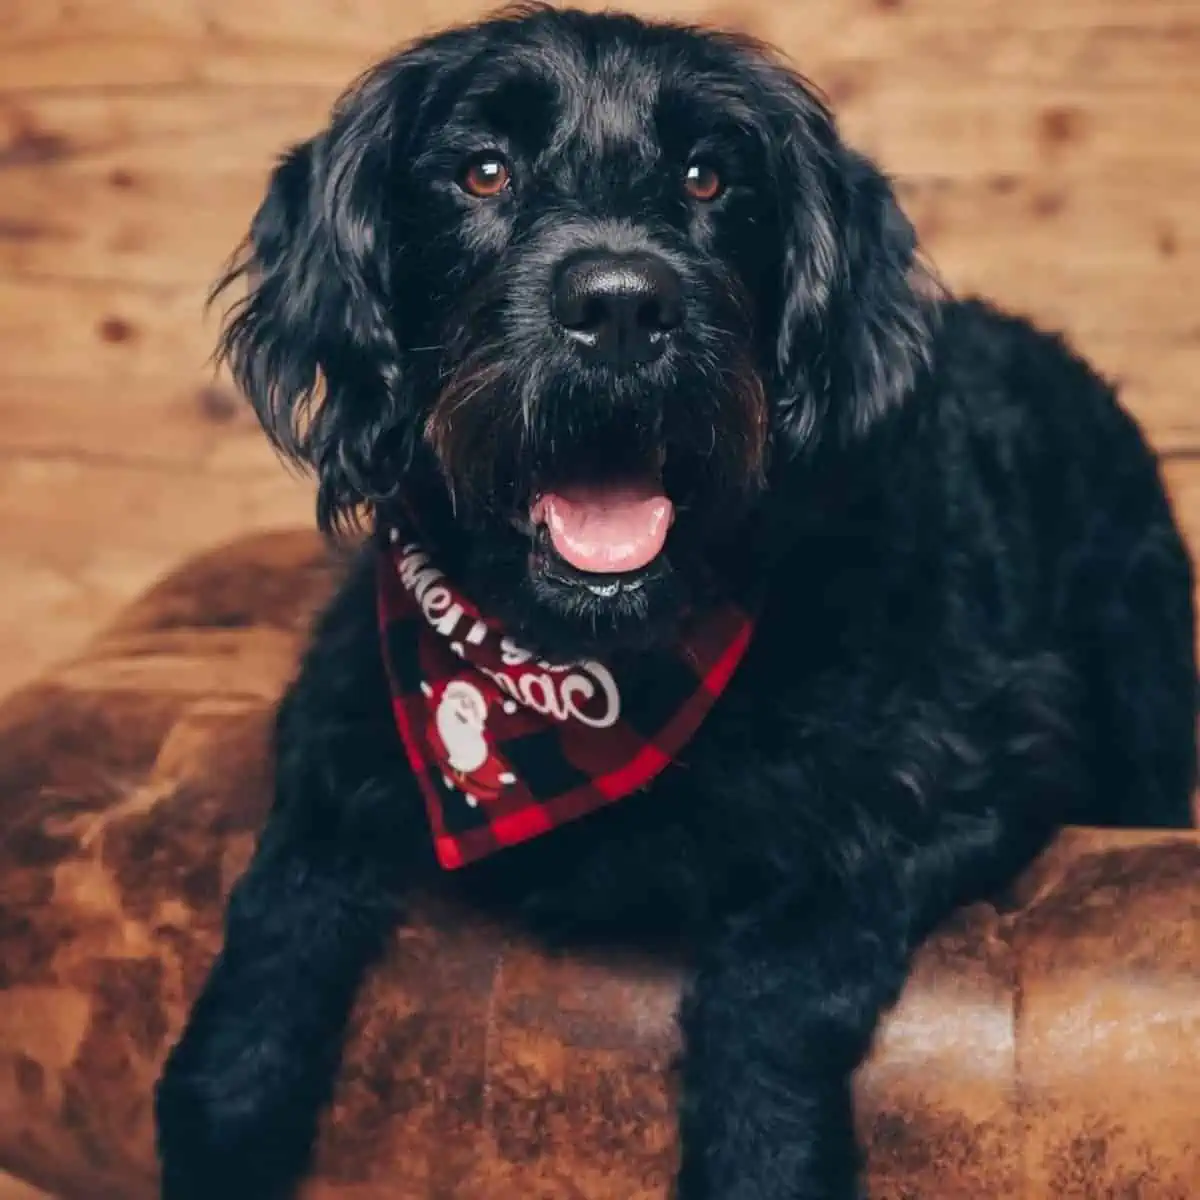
(514, 421)
(516, 415)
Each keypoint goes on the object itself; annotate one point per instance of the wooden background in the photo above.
(1047, 149)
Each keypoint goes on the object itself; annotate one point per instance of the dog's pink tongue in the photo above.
(606, 529)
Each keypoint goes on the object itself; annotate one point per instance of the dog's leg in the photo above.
(240, 1095)
(241, 1092)
(782, 1011)
(774, 1023)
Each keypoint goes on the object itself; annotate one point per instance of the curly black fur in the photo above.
(978, 621)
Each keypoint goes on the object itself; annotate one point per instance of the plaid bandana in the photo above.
(506, 746)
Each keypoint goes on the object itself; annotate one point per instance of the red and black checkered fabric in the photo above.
(506, 746)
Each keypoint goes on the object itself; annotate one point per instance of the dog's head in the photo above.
(579, 288)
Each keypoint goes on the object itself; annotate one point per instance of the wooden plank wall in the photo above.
(1047, 150)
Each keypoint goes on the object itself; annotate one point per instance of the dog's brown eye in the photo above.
(486, 176)
(702, 181)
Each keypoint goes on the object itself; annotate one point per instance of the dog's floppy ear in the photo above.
(312, 343)
(857, 315)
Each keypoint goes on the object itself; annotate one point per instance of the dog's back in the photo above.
(1062, 459)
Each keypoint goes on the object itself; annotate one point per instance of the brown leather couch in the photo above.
(1047, 1046)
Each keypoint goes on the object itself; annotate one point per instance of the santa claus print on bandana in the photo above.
(461, 744)
(505, 745)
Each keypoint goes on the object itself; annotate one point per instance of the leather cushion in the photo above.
(1043, 1047)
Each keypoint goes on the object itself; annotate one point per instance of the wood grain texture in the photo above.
(1182, 476)
(1045, 152)
(94, 42)
(79, 538)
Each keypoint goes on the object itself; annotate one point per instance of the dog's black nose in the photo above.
(620, 308)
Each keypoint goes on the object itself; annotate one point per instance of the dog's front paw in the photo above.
(231, 1132)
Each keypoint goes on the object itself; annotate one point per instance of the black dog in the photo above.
(604, 317)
